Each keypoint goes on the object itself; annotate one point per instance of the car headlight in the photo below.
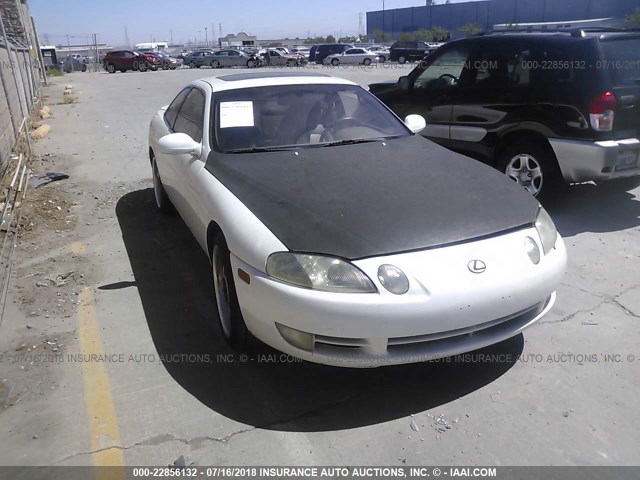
(318, 272)
(547, 230)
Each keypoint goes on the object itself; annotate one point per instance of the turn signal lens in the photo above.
(393, 279)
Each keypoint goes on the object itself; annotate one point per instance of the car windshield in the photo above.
(293, 116)
(622, 59)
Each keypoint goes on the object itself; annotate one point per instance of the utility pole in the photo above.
(383, 21)
(171, 36)
(206, 37)
(126, 36)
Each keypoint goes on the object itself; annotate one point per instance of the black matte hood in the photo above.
(372, 199)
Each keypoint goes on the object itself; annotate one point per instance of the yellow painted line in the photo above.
(100, 409)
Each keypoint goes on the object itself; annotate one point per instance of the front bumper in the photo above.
(583, 161)
(448, 310)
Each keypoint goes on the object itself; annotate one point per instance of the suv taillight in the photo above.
(602, 112)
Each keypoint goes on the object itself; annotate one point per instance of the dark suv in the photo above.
(323, 51)
(124, 60)
(403, 52)
(545, 109)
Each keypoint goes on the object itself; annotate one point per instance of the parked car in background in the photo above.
(233, 58)
(325, 217)
(323, 51)
(403, 52)
(167, 62)
(275, 58)
(312, 54)
(302, 51)
(124, 60)
(383, 53)
(352, 56)
(197, 59)
(74, 63)
(546, 110)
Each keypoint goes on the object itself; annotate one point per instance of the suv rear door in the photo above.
(621, 58)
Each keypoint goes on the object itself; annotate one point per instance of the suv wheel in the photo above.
(533, 167)
(192, 65)
(402, 59)
(111, 68)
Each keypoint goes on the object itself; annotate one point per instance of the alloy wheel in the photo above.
(526, 171)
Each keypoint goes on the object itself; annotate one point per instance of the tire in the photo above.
(232, 324)
(367, 62)
(252, 64)
(215, 64)
(620, 184)
(83, 68)
(335, 62)
(163, 203)
(192, 65)
(110, 68)
(165, 66)
(382, 58)
(402, 59)
(292, 63)
(532, 165)
(124, 70)
(143, 67)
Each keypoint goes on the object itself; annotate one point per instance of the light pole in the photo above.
(206, 37)
(383, 21)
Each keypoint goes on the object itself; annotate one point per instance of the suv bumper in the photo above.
(582, 161)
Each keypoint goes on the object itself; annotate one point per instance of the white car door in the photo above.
(186, 168)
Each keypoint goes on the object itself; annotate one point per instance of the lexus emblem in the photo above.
(477, 266)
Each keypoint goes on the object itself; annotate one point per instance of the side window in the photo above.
(191, 116)
(172, 112)
(444, 71)
(502, 67)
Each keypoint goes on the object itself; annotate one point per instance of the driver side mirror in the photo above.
(403, 83)
(179, 144)
(416, 123)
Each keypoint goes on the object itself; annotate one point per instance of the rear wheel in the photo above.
(402, 59)
(532, 166)
(252, 63)
(231, 322)
(382, 59)
(192, 65)
(215, 64)
(620, 184)
(335, 62)
(165, 66)
(367, 61)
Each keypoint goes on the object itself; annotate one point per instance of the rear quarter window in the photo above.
(621, 58)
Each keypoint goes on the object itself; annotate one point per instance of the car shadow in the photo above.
(269, 390)
(587, 208)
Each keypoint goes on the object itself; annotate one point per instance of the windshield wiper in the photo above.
(260, 149)
(351, 141)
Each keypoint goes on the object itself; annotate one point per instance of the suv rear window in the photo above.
(622, 60)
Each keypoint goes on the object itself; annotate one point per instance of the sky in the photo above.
(186, 20)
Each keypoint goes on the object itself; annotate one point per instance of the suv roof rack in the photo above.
(573, 31)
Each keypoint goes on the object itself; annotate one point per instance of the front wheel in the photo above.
(402, 59)
(111, 68)
(533, 167)
(335, 62)
(231, 322)
(143, 67)
(163, 203)
(383, 59)
(192, 65)
(367, 62)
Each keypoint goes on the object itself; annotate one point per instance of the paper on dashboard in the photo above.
(236, 114)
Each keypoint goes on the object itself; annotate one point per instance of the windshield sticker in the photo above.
(236, 114)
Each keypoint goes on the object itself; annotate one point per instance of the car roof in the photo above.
(251, 80)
